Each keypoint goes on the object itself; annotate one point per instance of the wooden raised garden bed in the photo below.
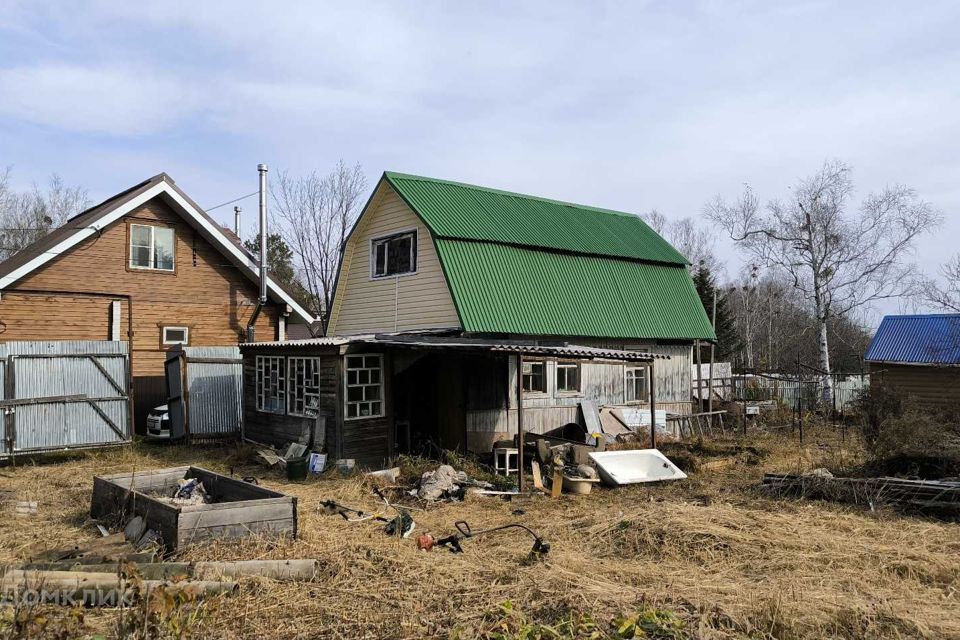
(238, 508)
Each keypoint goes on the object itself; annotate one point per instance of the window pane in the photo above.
(375, 409)
(174, 335)
(163, 247)
(375, 376)
(139, 235)
(363, 376)
(351, 377)
(140, 256)
(354, 362)
(372, 362)
(354, 394)
(371, 393)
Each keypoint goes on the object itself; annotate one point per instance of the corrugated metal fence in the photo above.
(786, 391)
(205, 392)
(63, 395)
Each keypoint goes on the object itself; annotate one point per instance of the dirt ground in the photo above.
(709, 557)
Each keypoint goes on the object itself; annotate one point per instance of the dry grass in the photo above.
(727, 561)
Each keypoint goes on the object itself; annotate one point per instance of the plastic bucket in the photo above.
(297, 468)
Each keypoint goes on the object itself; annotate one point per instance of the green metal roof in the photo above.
(467, 212)
(499, 288)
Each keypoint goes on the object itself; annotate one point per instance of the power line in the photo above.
(232, 201)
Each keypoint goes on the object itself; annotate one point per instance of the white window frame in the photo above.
(153, 249)
(567, 364)
(374, 242)
(347, 385)
(627, 382)
(276, 364)
(300, 389)
(546, 381)
(186, 334)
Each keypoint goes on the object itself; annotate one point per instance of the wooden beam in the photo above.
(653, 409)
(520, 483)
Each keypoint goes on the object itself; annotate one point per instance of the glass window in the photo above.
(303, 398)
(271, 384)
(394, 255)
(364, 386)
(636, 385)
(535, 376)
(151, 247)
(176, 335)
(568, 377)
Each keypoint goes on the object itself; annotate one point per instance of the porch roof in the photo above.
(564, 350)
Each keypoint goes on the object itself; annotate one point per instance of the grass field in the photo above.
(709, 557)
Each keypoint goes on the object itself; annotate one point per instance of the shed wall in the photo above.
(935, 386)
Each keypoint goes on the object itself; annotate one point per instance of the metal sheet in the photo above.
(95, 370)
(917, 339)
(214, 391)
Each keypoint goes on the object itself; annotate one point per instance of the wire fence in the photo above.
(805, 394)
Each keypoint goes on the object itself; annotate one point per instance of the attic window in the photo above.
(151, 247)
(394, 255)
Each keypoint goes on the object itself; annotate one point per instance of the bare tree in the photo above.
(839, 261)
(693, 240)
(27, 216)
(946, 295)
(317, 213)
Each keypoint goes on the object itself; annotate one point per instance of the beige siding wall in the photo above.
(367, 305)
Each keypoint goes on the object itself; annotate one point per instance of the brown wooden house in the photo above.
(146, 266)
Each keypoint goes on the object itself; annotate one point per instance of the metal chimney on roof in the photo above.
(262, 169)
(236, 221)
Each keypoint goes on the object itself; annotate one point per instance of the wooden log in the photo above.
(96, 589)
(274, 569)
(288, 570)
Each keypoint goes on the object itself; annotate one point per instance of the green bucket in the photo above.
(297, 468)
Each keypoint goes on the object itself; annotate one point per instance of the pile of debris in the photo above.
(446, 483)
(942, 495)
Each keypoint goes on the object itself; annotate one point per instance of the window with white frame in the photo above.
(364, 386)
(637, 384)
(568, 377)
(176, 335)
(303, 395)
(394, 255)
(534, 376)
(271, 384)
(151, 247)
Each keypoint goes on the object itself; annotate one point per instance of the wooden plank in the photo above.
(537, 478)
(273, 527)
(240, 513)
(556, 485)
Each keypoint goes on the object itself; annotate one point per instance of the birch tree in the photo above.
(27, 216)
(316, 214)
(946, 295)
(693, 240)
(839, 260)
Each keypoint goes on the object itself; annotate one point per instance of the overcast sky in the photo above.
(630, 105)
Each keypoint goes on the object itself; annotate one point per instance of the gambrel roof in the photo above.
(95, 219)
(520, 264)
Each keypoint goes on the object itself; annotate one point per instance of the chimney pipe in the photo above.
(262, 168)
(236, 221)
(262, 300)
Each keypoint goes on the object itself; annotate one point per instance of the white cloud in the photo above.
(107, 100)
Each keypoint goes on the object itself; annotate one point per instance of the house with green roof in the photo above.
(433, 270)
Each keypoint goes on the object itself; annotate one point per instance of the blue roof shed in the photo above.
(932, 339)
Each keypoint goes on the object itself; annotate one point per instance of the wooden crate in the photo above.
(239, 509)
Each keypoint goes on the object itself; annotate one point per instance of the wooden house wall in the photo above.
(68, 299)
(926, 385)
(369, 305)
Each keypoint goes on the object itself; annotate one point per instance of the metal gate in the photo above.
(64, 395)
(204, 392)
